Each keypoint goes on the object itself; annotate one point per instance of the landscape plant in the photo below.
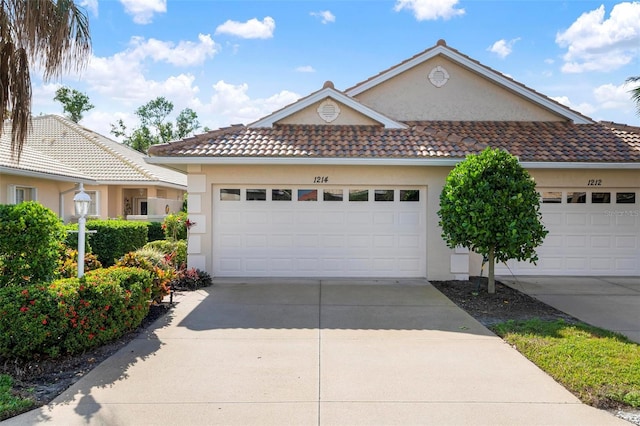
(175, 226)
(490, 205)
(175, 251)
(71, 315)
(152, 261)
(114, 238)
(31, 244)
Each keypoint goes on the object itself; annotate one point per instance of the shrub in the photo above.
(175, 226)
(31, 243)
(161, 272)
(154, 231)
(69, 264)
(71, 240)
(115, 238)
(72, 315)
(191, 279)
(176, 251)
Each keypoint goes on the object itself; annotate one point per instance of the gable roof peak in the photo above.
(442, 42)
(328, 85)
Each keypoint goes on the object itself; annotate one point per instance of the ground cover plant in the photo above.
(600, 367)
(11, 404)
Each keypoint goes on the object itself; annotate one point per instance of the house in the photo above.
(347, 183)
(59, 154)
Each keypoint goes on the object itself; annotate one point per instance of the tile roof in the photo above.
(530, 141)
(97, 156)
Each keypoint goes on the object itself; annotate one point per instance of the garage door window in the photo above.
(333, 195)
(256, 194)
(552, 197)
(230, 195)
(625, 197)
(281, 194)
(409, 195)
(307, 195)
(358, 195)
(600, 197)
(576, 197)
(384, 194)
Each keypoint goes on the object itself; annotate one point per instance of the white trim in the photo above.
(320, 95)
(43, 175)
(375, 162)
(496, 77)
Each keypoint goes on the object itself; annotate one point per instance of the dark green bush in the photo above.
(71, 240)
(154, 231)
(115, 238)
(176, 251)
(31, 243)
(72, 315)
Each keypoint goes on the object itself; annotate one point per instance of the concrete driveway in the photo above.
(311, 352)
(612, 303)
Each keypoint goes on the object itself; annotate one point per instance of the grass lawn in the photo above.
(9, 403)
(600, 367)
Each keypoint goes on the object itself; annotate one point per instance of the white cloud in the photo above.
(143, 10)
(594, 43)
(325, 16)
(90, 5)
(234, 104)
(503, 48)
(253, 28)
(430, 10)
(185, 53)
(610, 96)
(584, 108)
(306, 68)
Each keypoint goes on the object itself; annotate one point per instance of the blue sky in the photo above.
(235, 61)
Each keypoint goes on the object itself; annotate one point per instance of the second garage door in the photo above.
(290, 231)
(591, 232)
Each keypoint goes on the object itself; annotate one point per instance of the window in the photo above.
(600, 197)
(230, 195)
(576, 197)
(307, 195)
(384, 194)
(625, 197)
(256, 194)
(23, 193)
(333, 195)
(281, 194)
(409, 195)
(552, 197)
(358, 195)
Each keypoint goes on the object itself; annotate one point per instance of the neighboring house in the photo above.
(59, 154)
(347, 183)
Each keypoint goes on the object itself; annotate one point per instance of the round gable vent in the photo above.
(438, 76)
(328, 110)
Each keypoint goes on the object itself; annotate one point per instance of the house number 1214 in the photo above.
(321, 179)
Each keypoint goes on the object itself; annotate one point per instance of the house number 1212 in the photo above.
(321, 179)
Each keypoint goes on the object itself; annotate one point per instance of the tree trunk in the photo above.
(491, 287)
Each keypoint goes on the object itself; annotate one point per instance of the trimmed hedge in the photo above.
(31, 243)
(72, 315)
(115, 238)
(154, 231)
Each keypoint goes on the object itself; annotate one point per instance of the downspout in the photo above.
(62, 194)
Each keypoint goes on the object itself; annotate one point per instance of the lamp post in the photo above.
(81, 201)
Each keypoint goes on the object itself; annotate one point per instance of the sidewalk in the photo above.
(311, 352)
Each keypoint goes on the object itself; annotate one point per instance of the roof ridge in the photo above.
(95, 137)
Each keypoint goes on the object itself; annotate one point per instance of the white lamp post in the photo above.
(81, 201)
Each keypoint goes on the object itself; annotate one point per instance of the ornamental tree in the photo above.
(489, 204)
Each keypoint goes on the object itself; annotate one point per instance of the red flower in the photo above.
(24, 309)
(44, 321)
(33, 302)
(25, 292)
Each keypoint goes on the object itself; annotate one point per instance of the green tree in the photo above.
(155, 127)
(489, 204)
(50, 34)
(74, 103)
(635, 93)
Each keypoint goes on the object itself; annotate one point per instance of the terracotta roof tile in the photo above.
(530, 141)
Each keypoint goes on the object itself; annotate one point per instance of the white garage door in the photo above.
(290, 231)
(594, 232)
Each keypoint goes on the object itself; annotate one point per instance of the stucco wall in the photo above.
(202, 178)
(465, 96)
